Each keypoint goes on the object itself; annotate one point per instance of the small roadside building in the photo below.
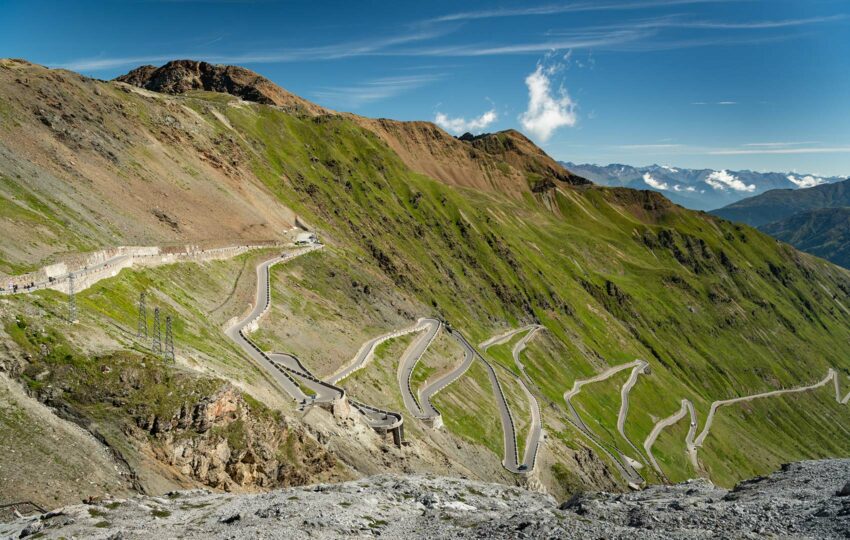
(306, 238)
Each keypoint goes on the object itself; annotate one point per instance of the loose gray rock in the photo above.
(799, 501)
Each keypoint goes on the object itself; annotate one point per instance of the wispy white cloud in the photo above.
(781, 144)
(333, 51)
(374, 90)
(547, 109)
(761, 25)
(635, 36)
(756, 151)
(554, 9)
(723, 180)
(665, 146)
(459, 125)
(577, 41)
(679, 22)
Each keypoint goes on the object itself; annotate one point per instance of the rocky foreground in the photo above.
(803, 500)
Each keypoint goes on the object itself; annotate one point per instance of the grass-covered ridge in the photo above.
(717, 309)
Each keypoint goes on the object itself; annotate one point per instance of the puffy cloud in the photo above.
(547, 111)
(653, 183)
(805, 181)
(462, 125)
(680, 187)
(722, 180)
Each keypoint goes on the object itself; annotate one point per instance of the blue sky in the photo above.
(758, 84)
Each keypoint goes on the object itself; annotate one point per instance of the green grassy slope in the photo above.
(824, 232)
(717, 309)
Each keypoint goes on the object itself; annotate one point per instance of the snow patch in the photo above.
(805, 181)
(723, 180)
(653, 183)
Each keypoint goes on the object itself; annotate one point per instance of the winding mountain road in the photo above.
(625, 464)
(687, 407)
(830, 374)
(511, 456)
(693, 444)
(641, 367)
(407, 364)
(535, 430)
(323, 392)
(431, 389)
(293, 377)
(238, 331)
(367, 350)
(285, 368)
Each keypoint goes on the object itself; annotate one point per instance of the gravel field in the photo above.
(803, 500)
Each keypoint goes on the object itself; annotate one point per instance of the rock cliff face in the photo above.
(222, 442)
(181, 76)
(166, 426)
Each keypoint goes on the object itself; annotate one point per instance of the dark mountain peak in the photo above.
(513, 147)
(181, 76)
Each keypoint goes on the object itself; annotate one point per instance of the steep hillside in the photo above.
(779, 204)
(716, 310)
(824, 232)
(85, 164)
(814, 220)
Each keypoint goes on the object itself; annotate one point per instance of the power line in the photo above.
(168, 354)
(157, 343)
(72, 300)
(142, 326)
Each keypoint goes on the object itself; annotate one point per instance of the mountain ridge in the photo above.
(498, 162)
(779, 204)
(699, 189)
(814, 220)
(715, 309)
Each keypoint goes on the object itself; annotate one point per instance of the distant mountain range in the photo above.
(815, 220)
(700, 189)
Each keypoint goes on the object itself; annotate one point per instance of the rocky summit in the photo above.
(808, 499)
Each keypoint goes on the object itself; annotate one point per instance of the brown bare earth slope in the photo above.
(85, 163)
(505, 161)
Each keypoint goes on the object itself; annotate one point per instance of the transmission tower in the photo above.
(72, 301)
(168, 354)
(142, 327)
(157, 343)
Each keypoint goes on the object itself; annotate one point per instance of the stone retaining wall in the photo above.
(90, 268)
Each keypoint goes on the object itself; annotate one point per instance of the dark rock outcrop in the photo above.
(181, 76)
